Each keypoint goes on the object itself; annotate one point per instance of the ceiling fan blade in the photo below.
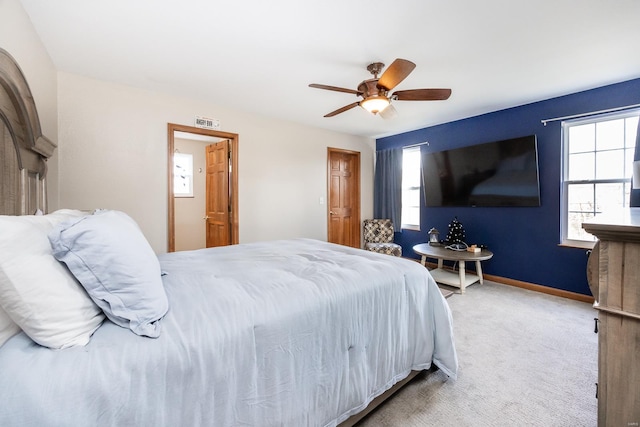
(388, 113)
(342, 110)
(335, 88)
(395, 73)
(422, 95)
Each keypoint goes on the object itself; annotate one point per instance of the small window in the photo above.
(182, 175)
(411, 188)
(597, 170)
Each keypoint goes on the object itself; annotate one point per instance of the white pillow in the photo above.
(38, 292)
(110, 256)
(8, 328)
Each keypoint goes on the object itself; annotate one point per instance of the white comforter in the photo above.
(287, 333)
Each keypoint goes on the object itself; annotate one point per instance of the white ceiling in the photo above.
(260, 56)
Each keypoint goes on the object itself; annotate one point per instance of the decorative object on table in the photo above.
(434, 237)
(455, 236)
(378, 237)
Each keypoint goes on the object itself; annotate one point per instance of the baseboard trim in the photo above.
(532, 287)
(539, 288)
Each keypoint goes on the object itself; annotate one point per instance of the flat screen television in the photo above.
(500, 173)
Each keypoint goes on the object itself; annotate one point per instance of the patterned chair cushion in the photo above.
(384, 248)
(378, 231)
(378, 237)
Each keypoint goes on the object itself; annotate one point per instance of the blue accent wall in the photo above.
(525, 241)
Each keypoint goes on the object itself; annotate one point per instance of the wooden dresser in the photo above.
(618, 305)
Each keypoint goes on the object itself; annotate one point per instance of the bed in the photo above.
(285, 333)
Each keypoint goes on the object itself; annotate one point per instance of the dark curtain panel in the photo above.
(634, 201)
(387, 192)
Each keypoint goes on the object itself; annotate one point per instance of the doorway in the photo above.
(205, 137)
(343, 175)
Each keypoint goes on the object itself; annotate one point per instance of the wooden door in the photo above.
(343, 175)
(218, 225)
(173, 131)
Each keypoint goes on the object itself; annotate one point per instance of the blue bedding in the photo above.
(286, 333)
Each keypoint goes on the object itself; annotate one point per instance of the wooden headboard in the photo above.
(23, 148)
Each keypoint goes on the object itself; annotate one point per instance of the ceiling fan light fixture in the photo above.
(377, 93)
(375, 104)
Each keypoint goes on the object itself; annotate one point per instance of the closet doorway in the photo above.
(203, 195)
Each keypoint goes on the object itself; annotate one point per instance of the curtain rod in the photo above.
(416, 145)
(593, 113)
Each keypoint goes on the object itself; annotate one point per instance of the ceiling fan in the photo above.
(375, 91)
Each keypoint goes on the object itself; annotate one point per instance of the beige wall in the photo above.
(113, 154)
(18, 37)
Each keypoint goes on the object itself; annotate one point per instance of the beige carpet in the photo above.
(526, 359)
(446, 292)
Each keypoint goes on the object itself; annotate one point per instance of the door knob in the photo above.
(205, 217)
(332, 212)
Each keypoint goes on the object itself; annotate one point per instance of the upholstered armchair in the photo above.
(378, 237)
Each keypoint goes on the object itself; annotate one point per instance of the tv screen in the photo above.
(500, 173)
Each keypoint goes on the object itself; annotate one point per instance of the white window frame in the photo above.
(565, 182)
(415, 186)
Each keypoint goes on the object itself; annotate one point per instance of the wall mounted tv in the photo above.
(500, 173)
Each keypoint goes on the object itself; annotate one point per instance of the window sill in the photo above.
(577, 244)
(410, 227)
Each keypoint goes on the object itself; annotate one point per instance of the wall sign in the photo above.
(207, 123)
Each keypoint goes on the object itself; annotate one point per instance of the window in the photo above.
(411, 188)
(182, 175)
(597, 169)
